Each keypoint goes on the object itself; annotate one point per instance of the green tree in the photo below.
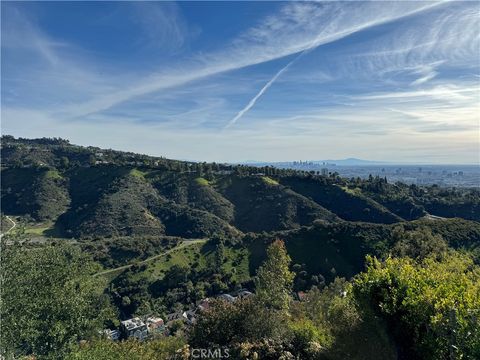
(274, 279)
(49, 300)
(227, 324)
(418, 244)
(103, 349)
(64, 162)
(219, 256)
(432, 305)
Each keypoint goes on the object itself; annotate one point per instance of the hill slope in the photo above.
(92, 192)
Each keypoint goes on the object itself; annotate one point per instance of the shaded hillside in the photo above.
(40, 193)
(123, 209)
(93, 192)
(339, 249)
(412, 202)
(348, 205)
(186, 222)
(262, 204)
(126, 204)
(196, 192)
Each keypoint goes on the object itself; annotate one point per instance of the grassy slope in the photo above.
(195, 254)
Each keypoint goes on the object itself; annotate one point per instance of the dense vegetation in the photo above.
(90, 192)
(404, 307)
(364, 268)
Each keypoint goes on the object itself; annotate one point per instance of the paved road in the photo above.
(182, 245)
(13, 225)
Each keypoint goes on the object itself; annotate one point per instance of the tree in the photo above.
(219, 256)
(246, 320)
(64, 162)
(103, 349)
(274, 279)
(418, 244)
(431, 305)
(49, 300)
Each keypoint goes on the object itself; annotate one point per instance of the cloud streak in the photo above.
(252, 102)
(298, 27)
(400, 69)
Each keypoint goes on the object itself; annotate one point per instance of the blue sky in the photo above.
(235, 81)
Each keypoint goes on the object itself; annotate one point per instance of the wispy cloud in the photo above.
(162, 24)
(400, 69)
(252, 102)
(299, 26)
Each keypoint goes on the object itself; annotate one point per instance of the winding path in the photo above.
(182, 245)
(13, 225)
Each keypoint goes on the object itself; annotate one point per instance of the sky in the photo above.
(239, 81)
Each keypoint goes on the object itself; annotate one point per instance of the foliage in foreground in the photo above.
(433, 307)
(103, 349)
(49, 300)
(415, 308)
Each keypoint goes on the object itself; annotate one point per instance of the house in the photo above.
(155, 325)
(174, 316)
(301, 296)
(189, 317)
(113, 335)
(203, 304)
(227, 297)
(224, 172)
(134, 328)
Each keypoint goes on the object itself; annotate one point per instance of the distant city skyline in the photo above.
(230, 81)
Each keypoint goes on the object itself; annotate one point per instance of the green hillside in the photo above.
(339, 249)
(39, 192)
(265, 205)
(346, 203)
(160, 235)
(95, 193)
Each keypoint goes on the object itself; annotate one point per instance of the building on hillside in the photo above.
(134, 328)
(227, 297)
(155, 325)
(224, 172)
(189, 317)
(113, 335)
(203, 304)
(300, 295)
(174, 316)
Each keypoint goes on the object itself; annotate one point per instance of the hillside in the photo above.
(262, 204)
(339, 249)
(347, 204)
(92, 192)
(164, 235)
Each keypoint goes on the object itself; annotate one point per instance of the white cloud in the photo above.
(298, 27)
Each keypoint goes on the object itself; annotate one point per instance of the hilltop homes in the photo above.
(144, 328)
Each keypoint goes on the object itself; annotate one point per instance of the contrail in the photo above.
(262, 90)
